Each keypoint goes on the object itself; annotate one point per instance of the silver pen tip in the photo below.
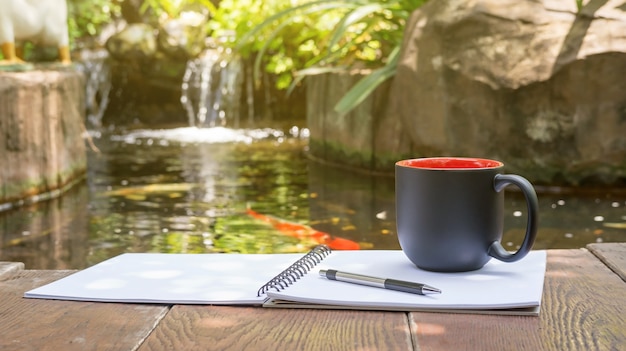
(426, 290)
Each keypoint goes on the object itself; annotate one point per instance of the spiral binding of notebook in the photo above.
(297, 270)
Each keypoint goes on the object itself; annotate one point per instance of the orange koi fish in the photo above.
(298, 230)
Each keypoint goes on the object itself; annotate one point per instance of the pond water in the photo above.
(191, 190)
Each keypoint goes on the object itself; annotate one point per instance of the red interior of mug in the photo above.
(450, 163)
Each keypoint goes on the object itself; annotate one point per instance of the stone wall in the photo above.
(365, 139)
(537, 84)
(41, 125)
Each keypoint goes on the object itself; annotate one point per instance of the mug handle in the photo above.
(495, 249)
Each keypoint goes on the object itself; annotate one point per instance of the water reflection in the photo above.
(569, 221)
(48, 235)
(187, 190)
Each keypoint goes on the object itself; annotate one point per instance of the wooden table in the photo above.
(583, 308)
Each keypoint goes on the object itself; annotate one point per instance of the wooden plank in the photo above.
(583, 308)
(8, 269)
(32, 324)
(613, 255)
(255, 328)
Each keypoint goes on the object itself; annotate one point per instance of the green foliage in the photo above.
(288, 39)
(234, 19)
(86, 19)
(173, 8)
(579, 4)
(304, 37)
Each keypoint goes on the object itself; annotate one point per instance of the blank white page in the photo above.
(171, 278)
(497, 285)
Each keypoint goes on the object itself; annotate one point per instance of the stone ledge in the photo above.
(41, 127)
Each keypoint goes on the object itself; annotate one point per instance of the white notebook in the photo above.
(237, 279)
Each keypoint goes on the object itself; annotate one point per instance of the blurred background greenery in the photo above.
(287, 39)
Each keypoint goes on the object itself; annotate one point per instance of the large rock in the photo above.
(135, 42)
(536, 84)
(41, 125)
(147, 68)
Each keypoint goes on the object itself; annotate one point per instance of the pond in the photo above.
(197, 190)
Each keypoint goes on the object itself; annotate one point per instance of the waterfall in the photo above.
(210, 94)
(97, 73)
(211, 88)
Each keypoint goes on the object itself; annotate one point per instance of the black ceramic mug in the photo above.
(450, 212)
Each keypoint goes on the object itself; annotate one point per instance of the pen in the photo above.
(385, 283)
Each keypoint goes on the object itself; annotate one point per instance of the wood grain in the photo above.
(613, 255)
(583, 308)
(31, 324)
(8, 269)
(255, 328)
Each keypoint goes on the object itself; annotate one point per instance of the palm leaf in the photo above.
(323, 6)
(311, 71)
(288, 15)
(351, 18)
(364, 87)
